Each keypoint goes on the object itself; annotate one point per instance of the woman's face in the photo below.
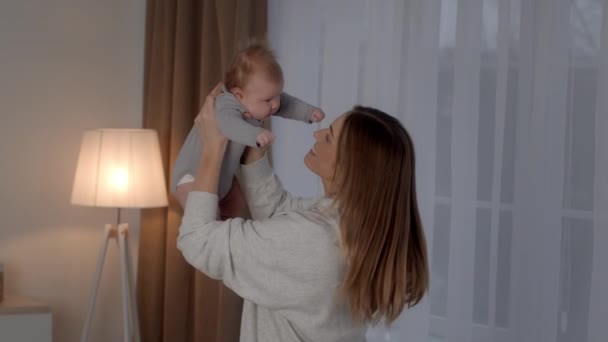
(321, 159)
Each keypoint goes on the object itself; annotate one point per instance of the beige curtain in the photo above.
(188, 44)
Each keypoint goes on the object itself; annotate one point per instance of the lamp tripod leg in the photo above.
(100, 261)
(126, 301)
(124, 230)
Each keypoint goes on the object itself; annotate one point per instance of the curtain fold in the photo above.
(188, 45)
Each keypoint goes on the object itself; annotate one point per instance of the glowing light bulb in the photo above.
(119, 179)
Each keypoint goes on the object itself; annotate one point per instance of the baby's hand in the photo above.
(317, 115)
(264, 138)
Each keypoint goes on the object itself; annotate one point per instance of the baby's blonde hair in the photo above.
(255, 57)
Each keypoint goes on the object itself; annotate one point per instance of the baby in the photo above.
(252, 92)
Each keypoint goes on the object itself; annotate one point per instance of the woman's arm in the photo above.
(214, 147)
(208, 175)
(182, 191)
(251, 155)
(261, 261)
(263, 191)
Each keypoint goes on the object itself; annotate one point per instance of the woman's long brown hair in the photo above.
(381, 231)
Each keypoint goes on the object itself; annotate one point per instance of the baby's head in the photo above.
(255, 78)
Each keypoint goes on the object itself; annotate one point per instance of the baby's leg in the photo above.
(234, 204)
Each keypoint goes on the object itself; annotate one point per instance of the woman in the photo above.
(315, 270)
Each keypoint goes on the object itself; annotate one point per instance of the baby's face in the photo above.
(261, 97)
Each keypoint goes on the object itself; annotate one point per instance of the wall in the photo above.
(65, 66)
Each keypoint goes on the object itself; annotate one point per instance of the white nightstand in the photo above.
(25, 320)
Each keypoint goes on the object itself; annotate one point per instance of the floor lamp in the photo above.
(119, 168)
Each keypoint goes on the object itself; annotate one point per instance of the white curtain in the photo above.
(507, 102)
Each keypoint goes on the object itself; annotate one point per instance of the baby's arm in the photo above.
(296, 109)
(232, 124)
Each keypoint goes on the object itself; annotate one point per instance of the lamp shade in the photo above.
(120, 168)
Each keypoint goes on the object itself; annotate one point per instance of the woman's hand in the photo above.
(206, 123)
(214, 146)
(252, 154)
